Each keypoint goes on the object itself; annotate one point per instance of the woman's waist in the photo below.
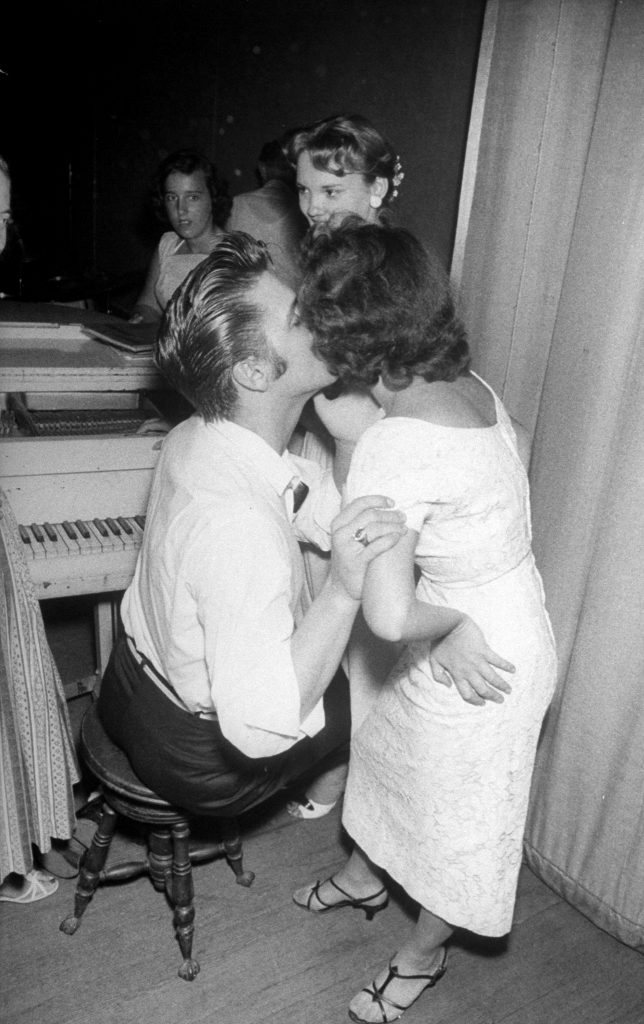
(442, 573)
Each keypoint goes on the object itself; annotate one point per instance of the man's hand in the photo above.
(463, 657)
(363, 530)
(348, 416)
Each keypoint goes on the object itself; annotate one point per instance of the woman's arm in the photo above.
(459, 651)
(147, 308)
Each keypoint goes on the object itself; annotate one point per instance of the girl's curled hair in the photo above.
(379, 305)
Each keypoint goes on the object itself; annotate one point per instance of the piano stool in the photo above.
(169, 859)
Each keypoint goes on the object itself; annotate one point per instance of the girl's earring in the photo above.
(375, 202)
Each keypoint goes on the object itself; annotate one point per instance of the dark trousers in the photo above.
(188, 761)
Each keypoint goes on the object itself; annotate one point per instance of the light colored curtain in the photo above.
(549, 262)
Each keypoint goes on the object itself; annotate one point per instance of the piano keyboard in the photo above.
(82, 537)
(72, 422)
(80, 504)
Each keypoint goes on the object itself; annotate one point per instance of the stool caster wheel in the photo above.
(189, 970)
(69, 925)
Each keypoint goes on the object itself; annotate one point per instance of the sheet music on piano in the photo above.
(133, 338)
(44, 347)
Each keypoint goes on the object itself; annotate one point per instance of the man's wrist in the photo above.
(341, 597)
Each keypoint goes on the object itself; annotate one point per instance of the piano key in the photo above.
(50, 531)
(82, 529)
(88, 541)
(69, 530)
(140, 520)
(137, 528)
(36, 547)
(25, 536)
(113, 526)
(49, 546)
(131, 534)
(107, 539)
(101, 527)
(68, 545)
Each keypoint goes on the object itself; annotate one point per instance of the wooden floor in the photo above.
(264, 961)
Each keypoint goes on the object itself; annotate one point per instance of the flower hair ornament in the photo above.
(398, 176)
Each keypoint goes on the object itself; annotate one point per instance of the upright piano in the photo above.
(79, 439)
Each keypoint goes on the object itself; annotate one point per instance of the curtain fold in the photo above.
(551, 272)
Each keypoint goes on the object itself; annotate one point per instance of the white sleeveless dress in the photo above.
(174, 266)
(438, 788)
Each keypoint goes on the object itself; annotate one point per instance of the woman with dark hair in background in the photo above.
(190, 197)
(440, 768)
(344, 167)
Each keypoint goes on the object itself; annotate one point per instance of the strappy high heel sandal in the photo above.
(378, 993)
(358, 904)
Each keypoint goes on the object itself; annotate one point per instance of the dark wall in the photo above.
(97, 93)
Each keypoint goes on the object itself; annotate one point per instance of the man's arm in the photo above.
(320, 639)
(266, 675)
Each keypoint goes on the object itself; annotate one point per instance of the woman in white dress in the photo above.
(440, 768)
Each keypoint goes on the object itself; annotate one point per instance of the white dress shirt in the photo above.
(218, 590)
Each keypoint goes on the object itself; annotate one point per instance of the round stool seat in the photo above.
(121, 787)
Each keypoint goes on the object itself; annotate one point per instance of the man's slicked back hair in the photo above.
(212, 322)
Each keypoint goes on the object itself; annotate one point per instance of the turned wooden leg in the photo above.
(160, 857)
(91, 866)
(181, 896)
(234, 852)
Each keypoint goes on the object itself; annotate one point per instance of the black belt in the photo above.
(153, 673)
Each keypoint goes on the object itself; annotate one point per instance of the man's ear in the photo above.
(253, 374)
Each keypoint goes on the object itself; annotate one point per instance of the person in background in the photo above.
(5, 203)
(37, 761)
(440, 768)
(344, 167)
(190, 198)
(271, 212)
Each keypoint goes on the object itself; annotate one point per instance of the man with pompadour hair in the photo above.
(219, 689)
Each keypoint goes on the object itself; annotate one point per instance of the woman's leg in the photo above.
(358, 879)
(422, 954)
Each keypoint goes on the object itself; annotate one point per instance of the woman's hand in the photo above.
(464, 658)
(364, 529)
(348, 416)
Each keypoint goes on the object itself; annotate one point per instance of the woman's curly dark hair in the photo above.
(379, 305)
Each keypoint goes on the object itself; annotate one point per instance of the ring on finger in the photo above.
(361, 536)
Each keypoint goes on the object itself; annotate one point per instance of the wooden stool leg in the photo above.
(234, 853)
(181, 896)
(160, 857)
(92, 865)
